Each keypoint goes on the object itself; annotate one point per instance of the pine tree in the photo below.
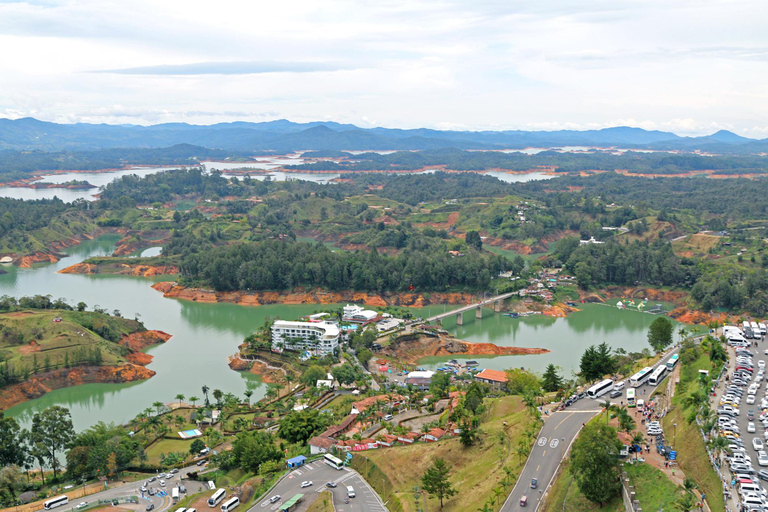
(435, 481)
(551, 380)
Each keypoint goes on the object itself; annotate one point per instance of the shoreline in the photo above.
(134, 369)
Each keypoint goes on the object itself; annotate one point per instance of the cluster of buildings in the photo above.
(544, 284)
(332, 437)
(320, 334)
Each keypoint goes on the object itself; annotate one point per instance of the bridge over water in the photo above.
(478, 307)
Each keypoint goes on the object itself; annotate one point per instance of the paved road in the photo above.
(320, 474)
(161, 503)
(559, 431)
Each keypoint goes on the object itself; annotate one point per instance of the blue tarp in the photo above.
(296, 461)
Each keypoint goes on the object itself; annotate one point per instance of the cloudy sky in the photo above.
(691, 67)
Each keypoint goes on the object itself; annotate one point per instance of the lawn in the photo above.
(692, 454)
(476, 470)
(653, 489)
(565, 495)
(323, 503)
(166, 446)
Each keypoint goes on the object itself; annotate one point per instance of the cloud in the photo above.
(229, 68)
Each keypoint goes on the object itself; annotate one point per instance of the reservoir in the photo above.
(204, 335)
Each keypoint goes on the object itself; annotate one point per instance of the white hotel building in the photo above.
(299, 336)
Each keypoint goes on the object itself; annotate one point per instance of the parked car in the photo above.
(81, 505)
(331, 484)
(757, 443)
(306, 483)
(275, 498)
(150, 507)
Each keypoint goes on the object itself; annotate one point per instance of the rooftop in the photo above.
(494, 375)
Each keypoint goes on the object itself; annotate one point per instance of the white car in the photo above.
(162, 483)
(308, 483)
(757, 443)
(761, 363)
(762, 458)
(750, 399)
(751, 427)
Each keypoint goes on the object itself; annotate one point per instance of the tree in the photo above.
(435, 481)
(248, 394)
(180, 397)
(196, 446)
(468, 435)
(595, 462)
(440, 384)
(51, 433)
(345, 374)
(686, 502)
(312, 374)
(218, 395)
(519, 380)
(551, 380)
(473, 240)
(11, 479)
(13, 449)
(299, 426)
(660, 334)
(194, 400)
(205, 393)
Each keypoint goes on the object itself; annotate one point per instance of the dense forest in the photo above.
(282, 265)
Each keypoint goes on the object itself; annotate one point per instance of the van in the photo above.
(619, 386)
(388, 417)
(640, 403)
(350, 491)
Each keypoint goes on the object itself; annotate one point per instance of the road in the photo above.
(161, 503)
(556, 436)
(366, 500)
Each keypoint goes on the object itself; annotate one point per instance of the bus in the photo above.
(56, 502)
(217, 497)
(229, 505)
(657, 375)
(672, 361)
(640, 377)
(175, 495)
(333, 461)
(630, 397)
(600, 388)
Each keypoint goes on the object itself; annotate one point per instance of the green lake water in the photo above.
(204, 335)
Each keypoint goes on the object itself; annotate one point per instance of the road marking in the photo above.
(554, 443)
(537, 468)
(571, 414)
(543, 454)
(542, 441)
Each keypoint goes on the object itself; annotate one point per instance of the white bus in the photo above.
(672, 361)
(217, 497)
(332, 461)
(175, 496)
(755, 330)
(229, 505)
(657, 375)
(640, 377)
(630, 397)
(56, 502)
(600, 388)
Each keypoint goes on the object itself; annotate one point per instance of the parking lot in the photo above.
(742, 418)
(320, 474)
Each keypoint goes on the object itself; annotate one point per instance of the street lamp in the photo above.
(674, 439)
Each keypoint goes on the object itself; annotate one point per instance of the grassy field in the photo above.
(476, 470)
(31, 337)
(565, 493)
(692, 454)
(323, 503)
(699, 244)
(654, 490)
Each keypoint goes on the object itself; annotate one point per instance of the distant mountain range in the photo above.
(284, 136)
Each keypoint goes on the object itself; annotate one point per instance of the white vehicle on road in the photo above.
(757, 443)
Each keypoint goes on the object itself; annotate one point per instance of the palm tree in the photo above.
(607, 406)
(486, 508)
(686, 502)
(248, 394)
(626, 422)
(157, 405)
(683, 332)
(194, 400)
(180, 397)
(205, 392)
(637, 439)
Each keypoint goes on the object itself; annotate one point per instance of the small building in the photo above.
(328, 384)
(590, 241)
(409, 438)
(319, 337)
(434, 434)
(356, 314)
(387, 440)
(321, 444)
(296, 462)
(496, 378)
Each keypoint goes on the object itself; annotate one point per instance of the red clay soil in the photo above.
(411, 351)
(175, 291)
(121, 269)
(40, 384)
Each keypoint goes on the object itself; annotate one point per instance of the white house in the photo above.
(354, 313)
(319, 337)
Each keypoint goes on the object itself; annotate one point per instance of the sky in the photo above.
(691, 67)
